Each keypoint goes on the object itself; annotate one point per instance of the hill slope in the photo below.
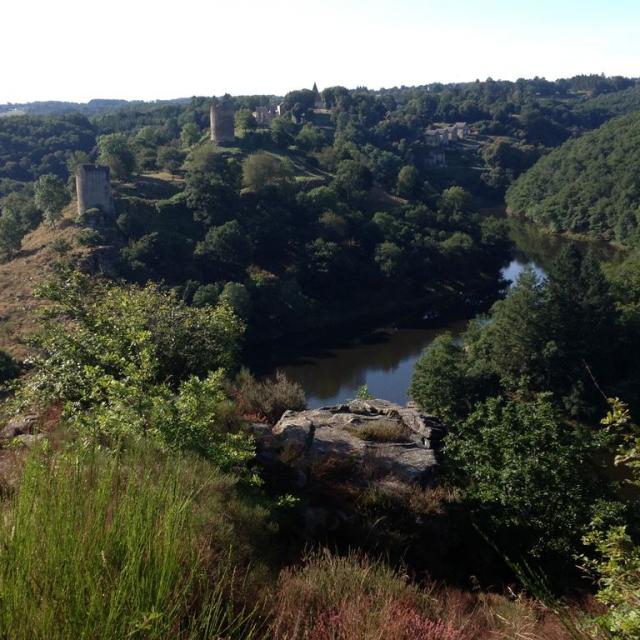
(20, 276)
(589, 185)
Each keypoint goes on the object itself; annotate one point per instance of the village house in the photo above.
(444, 135)
(265, 115)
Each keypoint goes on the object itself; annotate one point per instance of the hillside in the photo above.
(590, 185)
(20, 276)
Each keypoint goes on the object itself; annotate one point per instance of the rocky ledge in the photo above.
(368, 439)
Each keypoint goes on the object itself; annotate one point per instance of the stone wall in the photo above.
(93, 187)
(222, 121)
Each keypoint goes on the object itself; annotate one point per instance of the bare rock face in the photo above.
(368, 439)
(19, 426)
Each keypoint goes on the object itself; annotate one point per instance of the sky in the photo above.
(77, 50)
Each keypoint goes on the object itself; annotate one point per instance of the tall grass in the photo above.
(102, 548)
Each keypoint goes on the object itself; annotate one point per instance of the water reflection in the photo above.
(384, 359)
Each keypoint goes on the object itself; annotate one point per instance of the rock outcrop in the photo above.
(370, 440)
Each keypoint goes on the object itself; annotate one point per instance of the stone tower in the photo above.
(222, 121)
(93, 187)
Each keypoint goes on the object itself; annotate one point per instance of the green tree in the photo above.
(408, 183)
(170, 158)
(529, 477)
(51, 196)
(310, 138)
(441, 383)
(245, 120)
(11, 234)
(9, 368)
(238, 298)
(262, 169)
(22, 206)
(137, 363)
(226, 246)
(115, 151)
(455, 200)
(283, 132)
(189, 134)
(618, 564)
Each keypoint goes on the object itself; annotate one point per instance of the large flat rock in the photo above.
(371, 439)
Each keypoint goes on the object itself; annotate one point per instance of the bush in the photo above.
(355, 598)
(130, 363)
(95, 546)
(89, 238)
(267, 399)
(9, 368)
(530, 477)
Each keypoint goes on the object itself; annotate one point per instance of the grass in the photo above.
(382, 430)
(20, 276)
(95, 547)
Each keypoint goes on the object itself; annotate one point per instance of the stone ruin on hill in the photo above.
(222, 121)
(93, 187)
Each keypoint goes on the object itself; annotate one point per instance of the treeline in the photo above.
(589, 185)
(289, 259)
(540, 442)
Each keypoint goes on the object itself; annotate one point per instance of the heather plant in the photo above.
(269, 398)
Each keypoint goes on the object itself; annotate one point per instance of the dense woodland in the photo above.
(589, 185)
(147, 514)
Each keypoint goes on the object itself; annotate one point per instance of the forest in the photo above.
(139, 495)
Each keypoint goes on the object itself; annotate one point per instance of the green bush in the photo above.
(267, 399)
(530, 477)
(9, 368)
(134, 363)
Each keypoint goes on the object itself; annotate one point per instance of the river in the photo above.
(383, 359)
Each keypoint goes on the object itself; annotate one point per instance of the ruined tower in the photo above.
(222, 120)
(93, 187)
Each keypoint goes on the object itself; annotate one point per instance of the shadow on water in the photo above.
(383, 358)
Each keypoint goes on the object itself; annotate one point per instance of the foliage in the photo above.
(9, 368)
(263, 169)
(587, 185)
(245, 120)
(51, 196)
(560, 335)
(125, 361)
(618, 566)
(115, 151)
(267, 399)
(530, 477)
(11, 235)
(170, 158)
(33, 146)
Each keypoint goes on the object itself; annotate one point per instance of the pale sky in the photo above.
(154, 49)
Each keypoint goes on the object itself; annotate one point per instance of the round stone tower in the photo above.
(93, 187)
(222, 121)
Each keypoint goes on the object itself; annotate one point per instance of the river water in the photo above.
(383, 359)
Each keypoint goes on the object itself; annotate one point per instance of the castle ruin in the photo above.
(93, 187)
(222, 121)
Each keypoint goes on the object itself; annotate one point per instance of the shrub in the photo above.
(352, 598)
(9, 368)
(382, 430)
(530, 477)
(130, 363)
(89, 238)
(267, 399)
